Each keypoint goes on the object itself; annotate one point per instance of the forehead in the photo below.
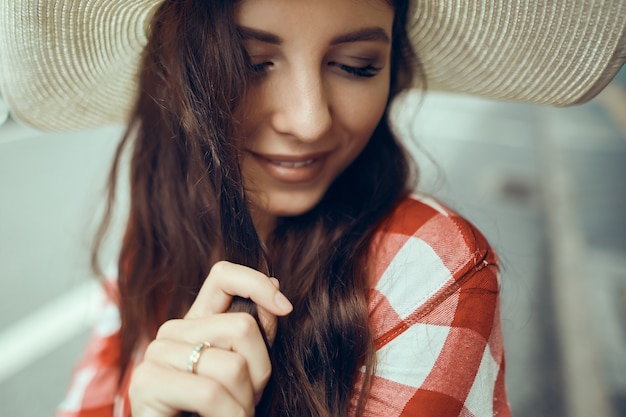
(313, 17)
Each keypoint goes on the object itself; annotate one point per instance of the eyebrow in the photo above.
(376, 34)
(247, 33)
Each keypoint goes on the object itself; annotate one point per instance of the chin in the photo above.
(291, 206)
(291, 211)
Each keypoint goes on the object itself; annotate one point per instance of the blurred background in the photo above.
(546, 185)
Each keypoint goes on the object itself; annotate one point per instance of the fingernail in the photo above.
(282, 302)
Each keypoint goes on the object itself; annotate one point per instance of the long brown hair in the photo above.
(188, 210)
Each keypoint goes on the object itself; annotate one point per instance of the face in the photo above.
(323, 85)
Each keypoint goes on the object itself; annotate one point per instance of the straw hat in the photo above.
(70, 64)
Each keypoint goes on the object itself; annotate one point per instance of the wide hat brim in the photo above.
(72, 64)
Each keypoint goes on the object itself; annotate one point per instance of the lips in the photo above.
(290, 164)
(292, 168)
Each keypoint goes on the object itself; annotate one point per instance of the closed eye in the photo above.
(364, 71)
(262, 66)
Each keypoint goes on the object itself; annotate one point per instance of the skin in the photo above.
(307, 107)
(308, 116)
(231, 373)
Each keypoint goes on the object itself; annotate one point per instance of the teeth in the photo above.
(293, 164)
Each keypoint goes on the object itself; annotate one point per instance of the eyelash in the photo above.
(367, 71)
(261, 67)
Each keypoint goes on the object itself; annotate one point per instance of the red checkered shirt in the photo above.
(434, 310)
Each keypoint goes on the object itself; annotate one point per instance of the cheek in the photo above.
(363, 110)
(248, 114)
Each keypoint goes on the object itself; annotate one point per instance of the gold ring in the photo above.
(194, 357)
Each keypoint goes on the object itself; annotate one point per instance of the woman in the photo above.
(261, 137)
(275, 262)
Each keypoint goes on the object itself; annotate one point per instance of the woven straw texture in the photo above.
(72, 64)
(541, 51)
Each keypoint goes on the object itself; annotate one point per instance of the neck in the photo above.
(264, 224)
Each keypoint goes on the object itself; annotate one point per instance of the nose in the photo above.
(302, 108)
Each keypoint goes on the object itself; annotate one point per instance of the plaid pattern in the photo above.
(434, 308)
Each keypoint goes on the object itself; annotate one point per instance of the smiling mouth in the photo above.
(289, 164)
(293, 168)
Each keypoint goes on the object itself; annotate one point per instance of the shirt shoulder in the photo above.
(423, 254)
(423, 231)
(433, 304)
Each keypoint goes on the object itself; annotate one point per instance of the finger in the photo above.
(238, 332)
(227, 367)
(226, 280)
(267, 319)
(150, 397)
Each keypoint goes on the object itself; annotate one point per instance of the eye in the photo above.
(262, 66)
(364, 71)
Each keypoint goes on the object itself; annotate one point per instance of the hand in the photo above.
(233, 372)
